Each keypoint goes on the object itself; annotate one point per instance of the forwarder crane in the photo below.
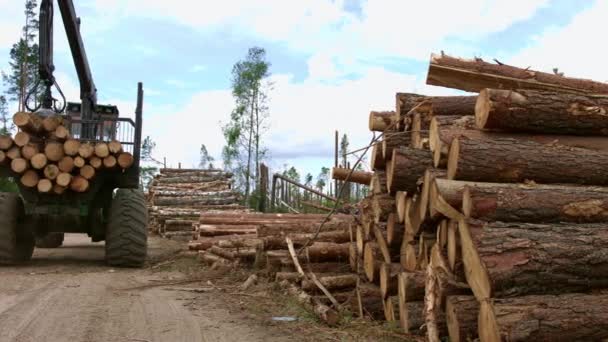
(113, 209)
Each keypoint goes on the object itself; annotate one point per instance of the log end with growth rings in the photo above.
(453, 158)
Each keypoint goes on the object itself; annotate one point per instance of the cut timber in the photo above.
(505, 259)
(54, 151)
(452, 105)
(381, 121)
(28, 122)
(300, 239)
(371, 260)
(211, 199)
(64, 179)
(60, 134)
(5, 142)
(416, 133)
(388, 279)
(394, 231)
(125, 160)
(86, 150)
(408, 166)
(96, 162)
(567, 317)
(51, 171)
(3, 158)
(475, 75)
(282, 229)
(532, 202)
(509, 160)
(102, 150)
(461, 315)
(453, 247)
(79, 162)
(13, 152)
(394, 141)
(19, 165)
(377, 160)
(542, 112)
(79, 184)
(333, 282)
(59, 190)
(446, 197)
(405, 102)
(66, 164)
(327, 251)
(45, 186)
(233, 253)
(39, 161)
(382, 206)
(50, 123)
(377, 185)
(30, 150)
(87, 172)
(24, 138)
(424, 197)
(359, 177)
(71, 147)
(400, 200)
(324, 312)
(110, 162)
(30, 179)
(115, 147)
(209, 230)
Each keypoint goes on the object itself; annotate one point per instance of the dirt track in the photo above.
(68, 294)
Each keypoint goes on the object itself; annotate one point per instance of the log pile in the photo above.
(43, 156)
(487, 218)
(177, 197)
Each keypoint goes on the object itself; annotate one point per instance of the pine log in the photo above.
(51, 171)
(567, 317)
(19, 165)
(50, 123)
(6, 142)
(13, 152)
(61, 134)
(381, 121)
(324, 312)
(508, 160)
(424, 198)
(212, 259)
(506, 259)
(28, 122)
(30, 150)
(66, 164)
(24, 138)
(359, 177)
(39, 161)
(54, 151)
(270, 230)
(475, 75)
(461, 316)
(382, 244)
(64, 179)
(233, 253)
(300, 239)
(319, 252)
(382, 206)
(86, 150)
(96, 162)
(123, 157)
(453, 247)
(110, 162)
(79, 162)
(102, 150)
(418, 132)
(45, 186)
(542, 112)
(3, 158)
(400, 202)
(408, 256)
(115, 147)
(405, 102)
(261, 218)
(206, 200)
(361, 239)
(408, 166)
(71, 147)
(394, 141)
(59, 190)
(30, 179)
(387, 276)
(79, 184)
(87, 172)
(377, 160)
(377, 185)
(371, 260)
(446, 197)
(210, 230)
(394, 231)
(332, 282)
(452, 105)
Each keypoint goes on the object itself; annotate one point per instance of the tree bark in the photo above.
(461, 316)
(388, 277)
(381, 121)
(377, 160)
(332, 283)
(281, 229)
(196, 200)
(394, 141)
(325, 313)
(508, 160)
(234, 254)
(542, 112)
(299, 239)
(394, 231)
(408, 166)
(567, 317)
(506, 259)
(209, 230)
(178, 179)
(359, 177)
(452, 105)
(475, 75)
(382, 206)
(377, 185)
(404, 103)
(53, 151)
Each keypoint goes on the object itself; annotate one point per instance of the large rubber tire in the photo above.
(16, 242)
(50, 240)
(127, 230)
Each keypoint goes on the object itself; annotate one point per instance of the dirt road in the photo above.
(68, 294)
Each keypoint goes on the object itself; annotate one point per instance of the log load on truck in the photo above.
(76, 164)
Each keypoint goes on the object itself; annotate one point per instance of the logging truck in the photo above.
(76, 164)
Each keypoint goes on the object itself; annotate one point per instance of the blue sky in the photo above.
(332, 61)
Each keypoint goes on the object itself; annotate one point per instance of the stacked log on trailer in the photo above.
(177, 197)
(42, 155)
(498, 204)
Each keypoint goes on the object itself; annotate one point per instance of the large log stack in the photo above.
(488, 214)
(43, 156)
(177, 197)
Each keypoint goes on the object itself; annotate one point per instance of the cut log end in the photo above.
(88, 172)
(30, 179)
(19, 165)
(64, 179)
(125, 160)
(45, 186)
(79, 184)
(482, 108)
(453, 158)
(51, 171)
(71, 147)
(54, 151)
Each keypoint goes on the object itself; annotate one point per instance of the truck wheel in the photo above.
(127, 230)
(50, 240)
(16, 242)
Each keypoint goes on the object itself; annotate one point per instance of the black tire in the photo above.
(16, 242)
(127, 230)
(50, 240)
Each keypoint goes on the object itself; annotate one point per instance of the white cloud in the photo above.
(574, 49)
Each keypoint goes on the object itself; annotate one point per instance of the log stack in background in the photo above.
(487, 217)
(43, 156)
(177, 197)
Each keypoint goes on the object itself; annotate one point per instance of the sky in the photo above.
(333, 61)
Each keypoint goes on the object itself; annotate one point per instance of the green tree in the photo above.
(344, 150)
(206, 159)
(244, 151)
(146, 173)
(23, 59)
(6, 123)
(323, 178)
